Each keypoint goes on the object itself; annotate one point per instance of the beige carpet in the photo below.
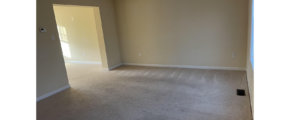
(148, 93)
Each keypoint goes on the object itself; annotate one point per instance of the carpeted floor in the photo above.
(148, 93)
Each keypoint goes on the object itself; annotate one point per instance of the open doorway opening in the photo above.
(77, 28)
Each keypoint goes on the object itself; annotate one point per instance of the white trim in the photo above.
(111, 68)
(188, 66)
(249, 89)
(83, 62)
(52, 93)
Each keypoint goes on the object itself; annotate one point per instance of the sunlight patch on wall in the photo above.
(62, 33)
(64, 41)
(65, 49)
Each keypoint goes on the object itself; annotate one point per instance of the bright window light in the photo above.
(62, 33)
(65, 49)
(64, 41)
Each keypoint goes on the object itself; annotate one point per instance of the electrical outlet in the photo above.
(84, 53)
(139, 54)
(233, 54)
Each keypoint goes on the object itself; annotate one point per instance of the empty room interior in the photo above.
(145, 60)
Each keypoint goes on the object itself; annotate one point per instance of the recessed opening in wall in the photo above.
(80, 32)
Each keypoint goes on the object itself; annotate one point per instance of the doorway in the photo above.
(79, 35)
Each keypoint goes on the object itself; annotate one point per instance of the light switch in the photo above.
(42, 29)
(52, 37)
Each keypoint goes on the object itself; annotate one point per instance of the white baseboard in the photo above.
(111, 68)
(83, 62)
(188, 66)
(52, 93)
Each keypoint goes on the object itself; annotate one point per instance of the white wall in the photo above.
(249, 69)
(183, 32)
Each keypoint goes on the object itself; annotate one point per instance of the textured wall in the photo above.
(183, 32)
